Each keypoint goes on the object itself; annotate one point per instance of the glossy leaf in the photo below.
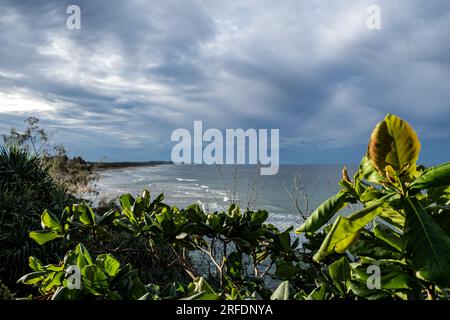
(83, 256)
(126, 203)
(319, 293)
(433, 177)
(340, 272)
(44, 236)
(345, 231)
(393, 277)
(109, 264)
(282, 292)
(426, 244)
(375, 249)
(35, 264)
(386, 234)
(87, 215)
(393, 217)
(361, 290)
(95, 280)
(394, 142)
(259, 217)
(323, 213)
(32, 277)
(50, 221)
(368, 172)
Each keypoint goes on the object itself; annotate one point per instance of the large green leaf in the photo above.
(388, 235)
(109, 264)
(95, 280)
(50, 221)
(83, 256)
(282, 292)
(126, 203)
(368, 172)
(33, 277)
(258, 217)
(324, 213)
(44, 236)
(426, 244)
(390, 279)
(394, 142)
(340, 272)
(320, 293)
(346, 230)
(361, 290)
(87, 215)
(35, 264)
(393, 217)
(433, 177)
(375, 249)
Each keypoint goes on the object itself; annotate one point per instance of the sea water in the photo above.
(216, 187)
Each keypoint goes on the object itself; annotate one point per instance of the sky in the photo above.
(115, 89)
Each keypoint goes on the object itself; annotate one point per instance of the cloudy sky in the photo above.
(139, 69)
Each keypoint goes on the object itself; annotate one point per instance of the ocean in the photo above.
(215, 187)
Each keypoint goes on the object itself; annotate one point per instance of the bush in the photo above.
(5, 294)
(26, 190)
(401, 229)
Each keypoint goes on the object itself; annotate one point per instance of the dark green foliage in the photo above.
(5, 293)
(103, 277)
(403, 226)
(240, 246)
(396, 245)
(26, 190)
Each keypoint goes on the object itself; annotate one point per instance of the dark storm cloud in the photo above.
(139, 69)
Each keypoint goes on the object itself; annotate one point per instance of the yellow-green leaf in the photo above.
(346, 230)
(50, 221)
(44, 236)
(433, 177)
(368, 172)
(394, 142)
(324, 213)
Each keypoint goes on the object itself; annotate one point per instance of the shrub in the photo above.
(5, 293)
(402, 228)
(26, 190)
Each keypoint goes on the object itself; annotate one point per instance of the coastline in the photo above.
(102, 166)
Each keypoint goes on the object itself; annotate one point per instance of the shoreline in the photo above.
(103, 166)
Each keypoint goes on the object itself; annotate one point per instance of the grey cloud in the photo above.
(139, 69)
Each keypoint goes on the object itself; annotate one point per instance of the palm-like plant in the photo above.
(26, 189)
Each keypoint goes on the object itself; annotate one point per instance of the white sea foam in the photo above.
(186, 180)
(188, 188)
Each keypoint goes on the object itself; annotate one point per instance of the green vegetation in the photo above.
(5, 293)
(26, 190)
(408, 208)
(32, 179)
(395, 246)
